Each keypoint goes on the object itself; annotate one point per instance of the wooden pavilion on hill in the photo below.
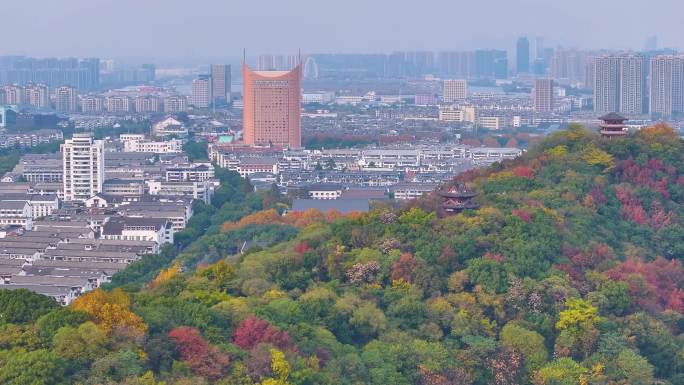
(612, 126)
(457, 199)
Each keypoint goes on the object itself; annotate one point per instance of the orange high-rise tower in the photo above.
(272, 102)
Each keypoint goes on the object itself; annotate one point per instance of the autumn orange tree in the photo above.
(111, 312)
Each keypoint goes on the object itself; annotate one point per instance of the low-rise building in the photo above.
(158, 230)
(16, 213)
(194, 172)
(196, 190)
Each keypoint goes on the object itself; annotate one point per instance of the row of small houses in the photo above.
(63, 260)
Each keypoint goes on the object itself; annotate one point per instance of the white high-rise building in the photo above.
(455, 90)
(220, 83)
(66, 99)
(618, 84)
(14, 94)
(666, 85)
(83, 165)
(631, 83)
(37, 95)
(92, 104)
(175, 103)
(543, 95)
(201, 92)
(118, 104)
(606, 71)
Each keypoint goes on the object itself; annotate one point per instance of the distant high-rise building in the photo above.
(92, 72)
(666, 85)
(491, 64)
(83, 166)
(539, 47)
(618, 84)
(631, 83)
(569, 66)
(454, 90)
(651, 43)
(543, 95)
(82, 74)
(66, 99)
(523, 55)
(272, 104)
(269, 62)
(310, 71)
(175, 103)
(37, 95)
(14, 94)
(457, 64)
(220, 83)
(201, 92)
(118, 104)
(147, 104)
(92, 104)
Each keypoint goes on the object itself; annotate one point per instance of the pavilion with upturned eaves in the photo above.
(457, 199)
(613, 126)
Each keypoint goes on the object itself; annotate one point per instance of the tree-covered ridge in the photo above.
(569, 273)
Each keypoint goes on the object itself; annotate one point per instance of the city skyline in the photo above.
(214, 36)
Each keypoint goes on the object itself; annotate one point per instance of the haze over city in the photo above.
(181, 33)
(348, 192)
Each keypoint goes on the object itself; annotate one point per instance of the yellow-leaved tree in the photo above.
(166, 275)
(280, 368)
(110, 311)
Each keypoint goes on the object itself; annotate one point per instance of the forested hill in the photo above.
(569, 273)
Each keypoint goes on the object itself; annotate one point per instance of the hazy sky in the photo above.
(174, 32)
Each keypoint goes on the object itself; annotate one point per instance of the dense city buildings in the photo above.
(455, 90)
(271, 113)
(82, 74)
(202, 92)
(220, 83)
(83, 161)
(543, 95)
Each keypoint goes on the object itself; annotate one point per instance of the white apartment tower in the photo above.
(606, 71)
(175, 103)
(83, 164)
(37, 95)
(454, 90)
(66, 99)
(618, 84)
(543, 95)
(201, 92)
(631, 83)
(666, 85)
(14, 94)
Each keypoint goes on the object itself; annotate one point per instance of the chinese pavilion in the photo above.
(612, 126)
(457, 199)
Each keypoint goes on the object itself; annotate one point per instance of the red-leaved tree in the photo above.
(654, 285)
(253, 331)
(202, 359)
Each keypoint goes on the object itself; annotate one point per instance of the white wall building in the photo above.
(83, 162)
(454, 90)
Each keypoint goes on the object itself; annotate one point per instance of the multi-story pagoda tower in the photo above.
(457, 199)
(612, 126)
